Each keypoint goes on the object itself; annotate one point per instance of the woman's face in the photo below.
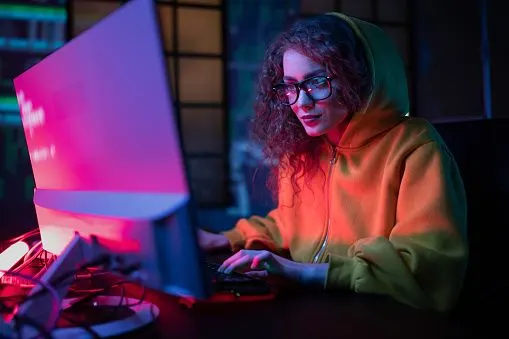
(318, 117)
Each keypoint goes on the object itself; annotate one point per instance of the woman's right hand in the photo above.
(209, 241)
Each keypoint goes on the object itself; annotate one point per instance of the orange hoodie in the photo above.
(389, 215)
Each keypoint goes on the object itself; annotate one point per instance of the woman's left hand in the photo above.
(265, 263)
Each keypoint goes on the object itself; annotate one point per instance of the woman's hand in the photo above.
(265, 263)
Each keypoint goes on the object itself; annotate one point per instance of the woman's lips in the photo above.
(311, 119)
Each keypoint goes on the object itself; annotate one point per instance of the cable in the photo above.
(82, 291)
(24, 236)
(100, 261)
(46, 262)
(91, 296)
(122, 296)
(105, 259)
(56, 282)
(28, 262)
(32, 249)
(6, 280)
(30, 322)
(88, 275)
(63, 277)
(56, 299)
(99, 291)
(140, 299)
(46, 332)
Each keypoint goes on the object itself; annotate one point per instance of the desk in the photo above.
(299, 314)
(302, 315)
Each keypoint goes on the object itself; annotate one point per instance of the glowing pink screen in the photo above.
(97, 113)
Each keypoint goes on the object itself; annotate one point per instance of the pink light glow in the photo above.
(12, 255)
(94, 122)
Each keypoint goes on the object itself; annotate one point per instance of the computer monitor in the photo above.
(106, 156)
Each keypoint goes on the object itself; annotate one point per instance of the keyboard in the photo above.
(236, 282)
(223, 277)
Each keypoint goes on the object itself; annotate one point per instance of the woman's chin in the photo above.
(315, 131)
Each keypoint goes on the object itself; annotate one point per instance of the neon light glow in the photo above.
(12, 255)
(32, 117)
(78, 122)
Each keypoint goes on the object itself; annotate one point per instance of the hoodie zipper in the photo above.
(332, 161)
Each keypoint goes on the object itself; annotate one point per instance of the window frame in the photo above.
(175, 56)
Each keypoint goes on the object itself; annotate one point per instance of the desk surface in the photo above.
(298, 314)
(292, 315)
(306, 314)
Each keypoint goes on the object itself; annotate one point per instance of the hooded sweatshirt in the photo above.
(389, 213)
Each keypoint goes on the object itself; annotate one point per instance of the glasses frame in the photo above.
(298, 87)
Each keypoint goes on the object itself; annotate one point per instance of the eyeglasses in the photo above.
(317, 88)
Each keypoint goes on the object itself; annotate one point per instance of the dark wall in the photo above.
(447, 51)
(17, 213)
(498, 33)
(481, 152)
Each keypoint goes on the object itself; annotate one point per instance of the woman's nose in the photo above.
(304, 99)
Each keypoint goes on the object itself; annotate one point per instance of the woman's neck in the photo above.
(334, 136)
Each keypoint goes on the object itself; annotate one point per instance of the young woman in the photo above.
(369, 199)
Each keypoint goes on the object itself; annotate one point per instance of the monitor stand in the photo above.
(44, 304)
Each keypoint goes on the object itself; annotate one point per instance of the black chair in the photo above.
(481, 149)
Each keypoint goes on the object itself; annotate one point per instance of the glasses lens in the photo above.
(318, 88)
(286, 94)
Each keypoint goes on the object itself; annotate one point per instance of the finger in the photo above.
(229, 260)
(260, 258)
(243, 261)
(258, 274)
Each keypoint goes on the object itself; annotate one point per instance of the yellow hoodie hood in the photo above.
(388, 101)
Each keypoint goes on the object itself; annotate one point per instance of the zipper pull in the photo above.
(332, 161)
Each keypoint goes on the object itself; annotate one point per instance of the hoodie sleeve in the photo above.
(258, 233)
(423, 261)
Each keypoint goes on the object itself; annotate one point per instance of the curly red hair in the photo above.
(329, 41)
